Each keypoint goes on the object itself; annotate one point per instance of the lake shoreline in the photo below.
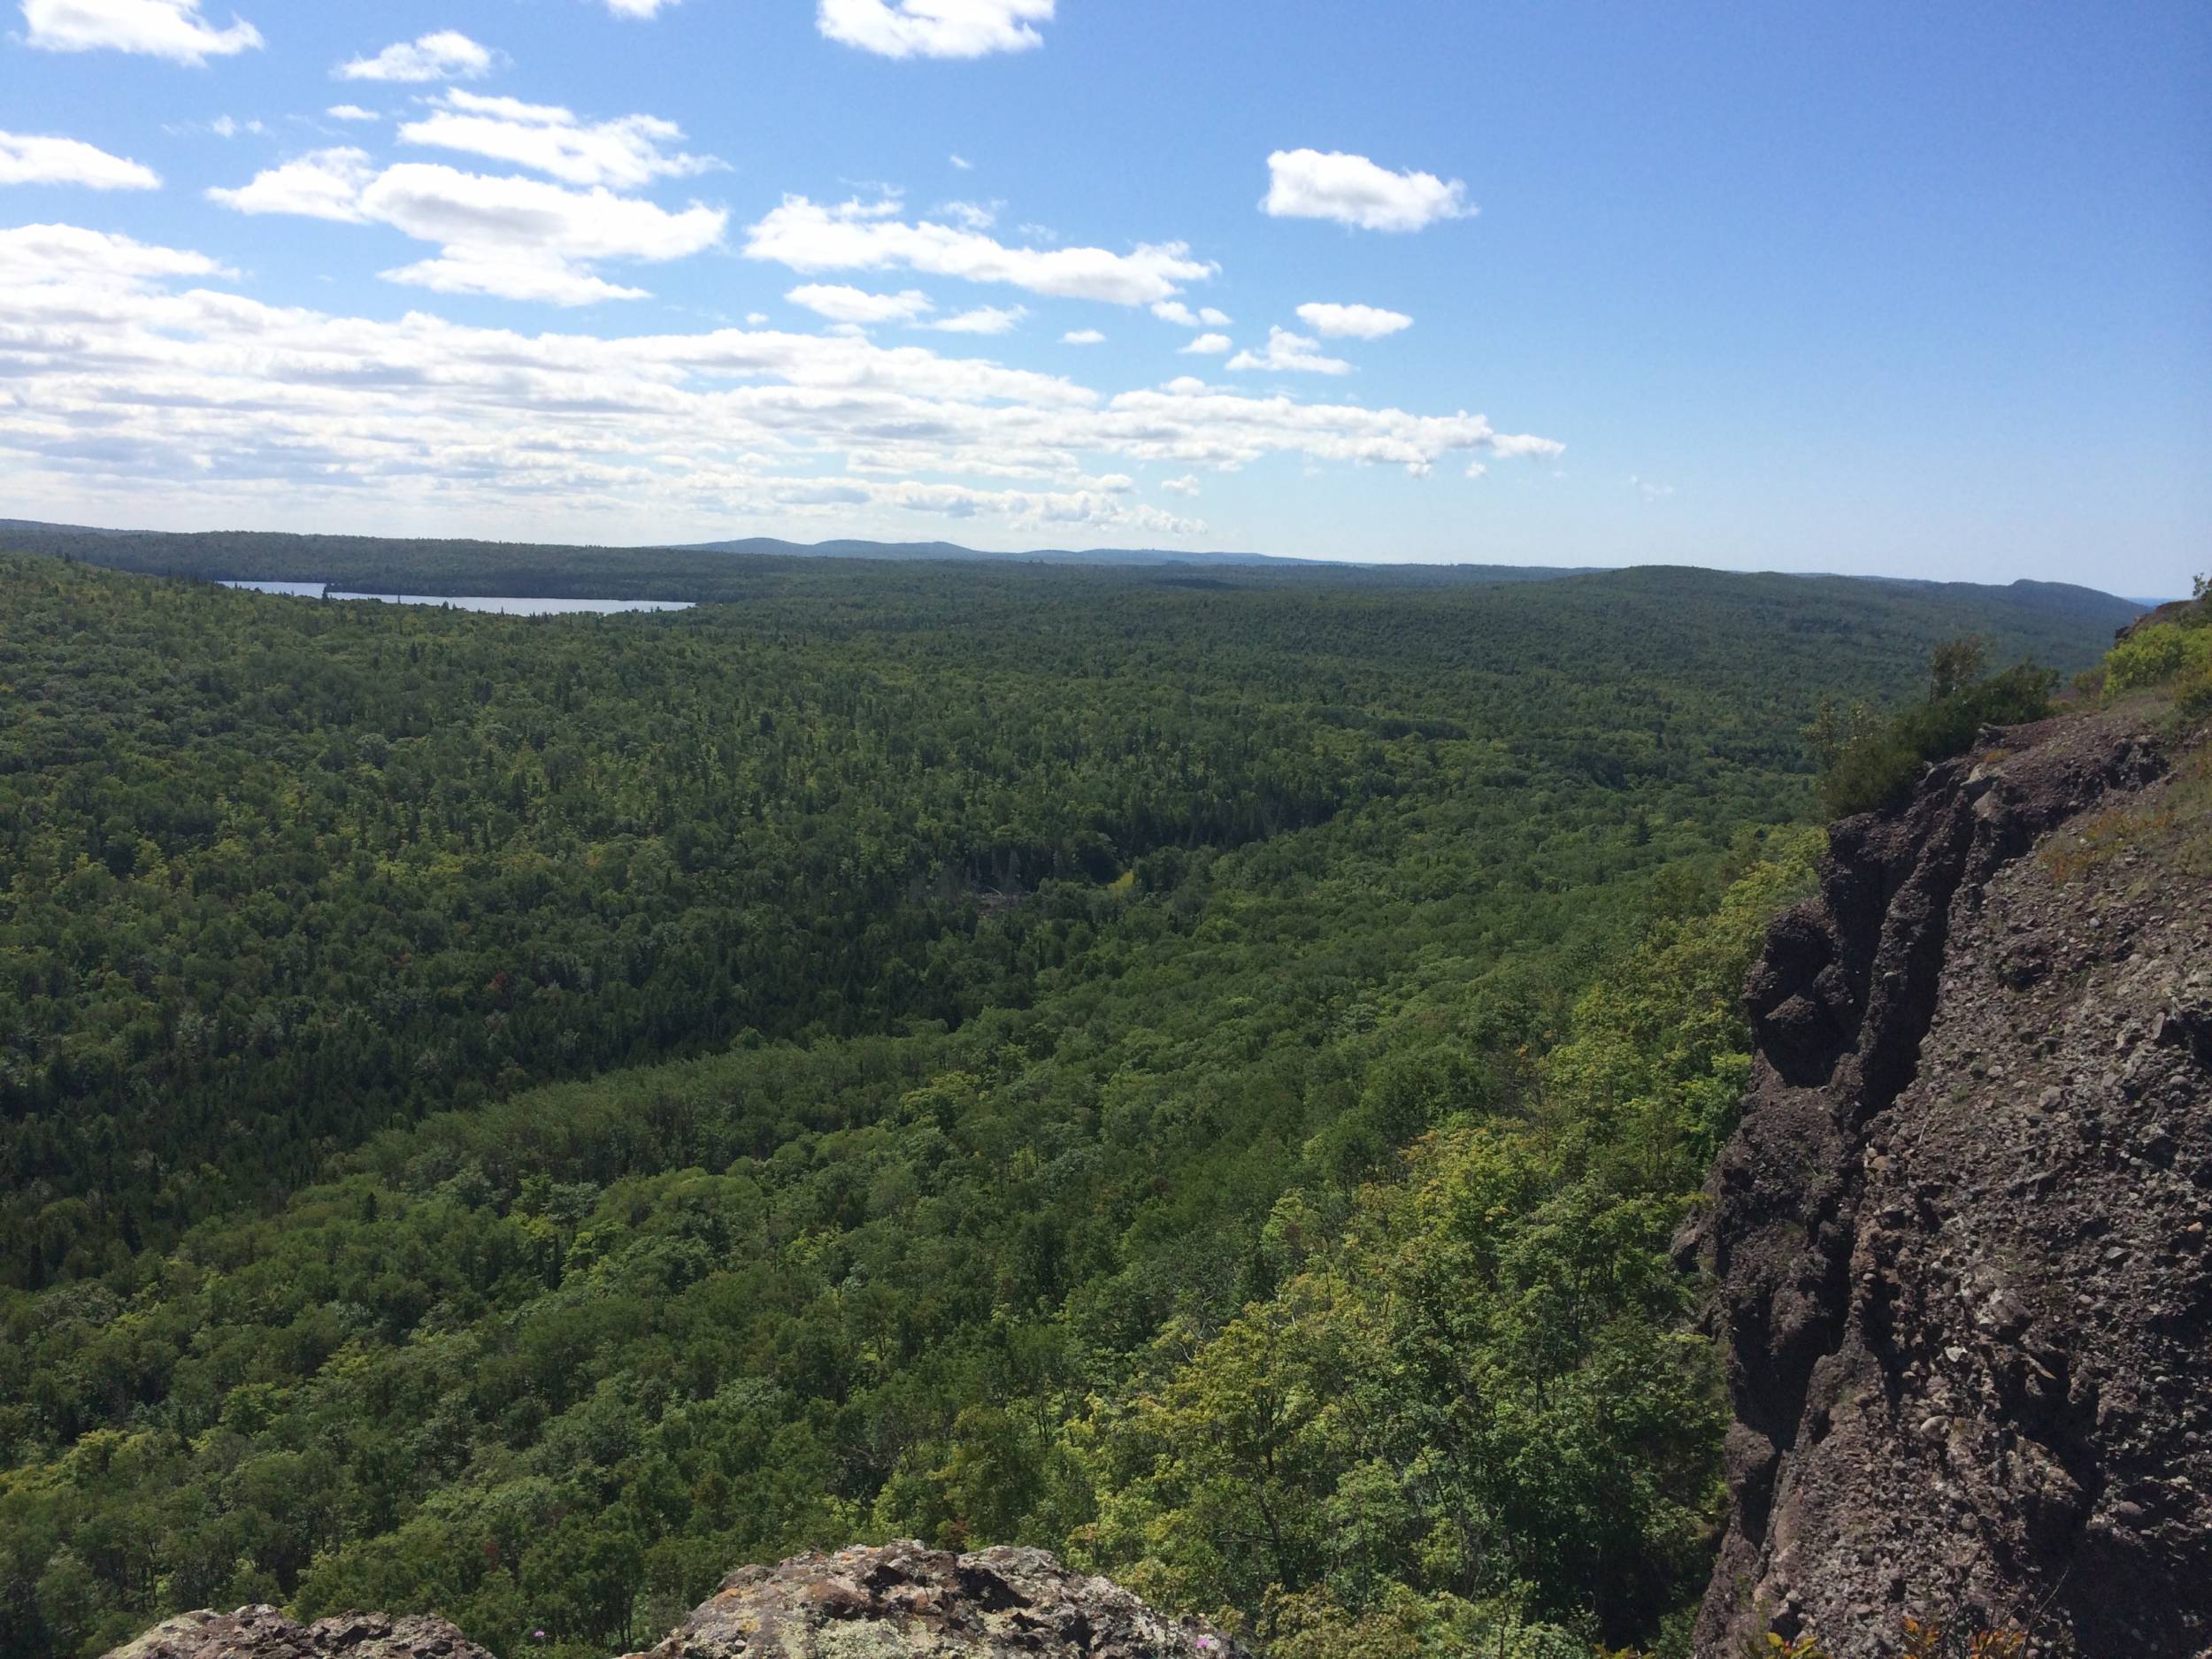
(510, 605)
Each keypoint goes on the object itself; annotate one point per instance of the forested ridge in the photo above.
(517, 1116)
(2047, 613)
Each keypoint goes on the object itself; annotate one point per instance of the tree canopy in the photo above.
(516, 1116)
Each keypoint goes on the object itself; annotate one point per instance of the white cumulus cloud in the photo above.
(323, 184)
(809, 236)
(517, 238)
(843, 305)
(625, 153)
(173, 29)
(1352, 322)
(1289, 353)
(29, 159)
(351, 113)
(1082, 337)
(1353, 190)
(1207, 346)
(1187, 485)
(638, 8)
(142, 382)
(444, 55)
(523, 220)
(935, 28)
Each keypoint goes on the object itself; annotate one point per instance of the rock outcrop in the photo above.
(2172, 611)
(898, 1601)
(905, 1602)
(1961, 1236)
(262, 1633)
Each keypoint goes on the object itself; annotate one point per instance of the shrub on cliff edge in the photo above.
(1869, 765)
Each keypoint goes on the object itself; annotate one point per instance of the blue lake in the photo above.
(506, 607)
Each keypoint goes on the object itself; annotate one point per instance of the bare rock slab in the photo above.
(263, 1632)
(895, 1601)
(905, 1602)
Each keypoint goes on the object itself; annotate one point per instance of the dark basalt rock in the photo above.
(1964, 1293)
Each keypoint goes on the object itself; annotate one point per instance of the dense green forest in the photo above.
(516, 1116)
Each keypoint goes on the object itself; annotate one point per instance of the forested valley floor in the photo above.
(517, 1116)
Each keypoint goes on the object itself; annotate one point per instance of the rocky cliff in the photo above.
(1960, 1237)
(898, 1601)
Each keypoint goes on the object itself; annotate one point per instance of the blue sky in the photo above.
(1907, 289)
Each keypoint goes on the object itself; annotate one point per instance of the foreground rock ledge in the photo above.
(263, 1632)
(898, 1601)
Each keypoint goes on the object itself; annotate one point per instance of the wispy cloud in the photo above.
(625, 153)
(844, 304)
(1289, 353)
(935, 28)
(31, 159)
(984, 319)
(446, 55)
(809, 236)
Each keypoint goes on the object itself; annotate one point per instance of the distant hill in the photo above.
(439, 566)
(771, 547)
(2061, 623)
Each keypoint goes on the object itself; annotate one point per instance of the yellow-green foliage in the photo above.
(1475, 1419)
(2165, 654)
(1925, 1639)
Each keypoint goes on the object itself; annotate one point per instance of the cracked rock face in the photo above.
(262, 1633)
(905, 1602)
(1961, 1236)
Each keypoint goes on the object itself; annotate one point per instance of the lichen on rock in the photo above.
(264, 1632)
(906, 1602)
(894, 1602)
